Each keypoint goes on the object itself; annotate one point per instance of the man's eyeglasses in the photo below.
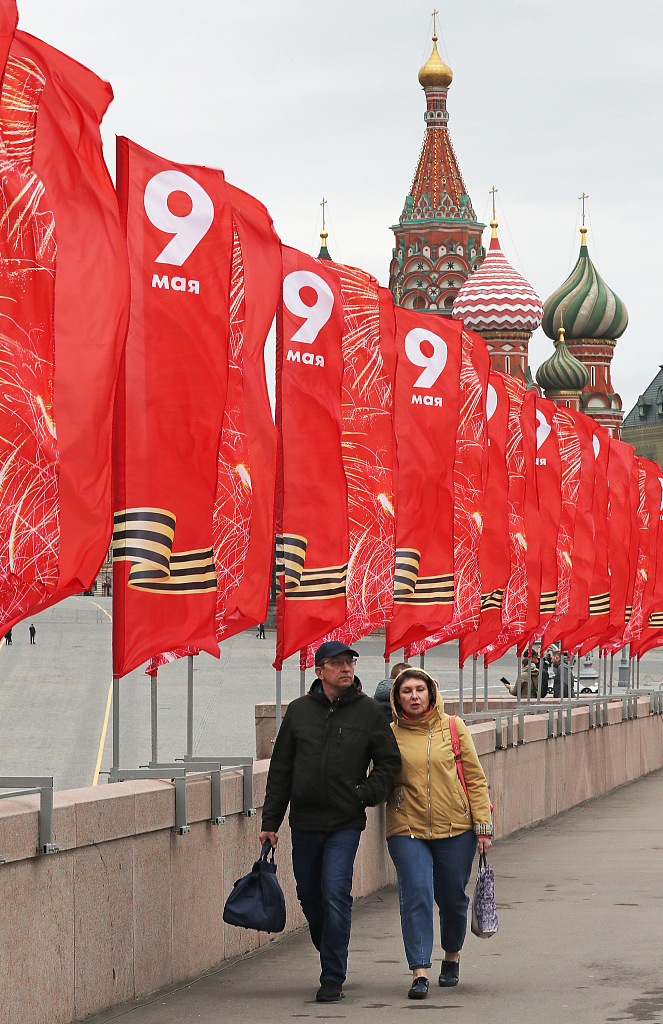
(340, 662)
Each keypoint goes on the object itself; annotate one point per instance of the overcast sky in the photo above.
(296, 99)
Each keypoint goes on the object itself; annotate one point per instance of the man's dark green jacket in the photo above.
(320, 760)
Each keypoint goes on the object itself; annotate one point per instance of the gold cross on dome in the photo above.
(583, 197)
(492, 192)
(322, 204)
(435, 13)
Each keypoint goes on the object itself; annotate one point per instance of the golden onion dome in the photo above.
(435, 72)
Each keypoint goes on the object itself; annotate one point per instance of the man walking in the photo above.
(321, 755)
(33, 632)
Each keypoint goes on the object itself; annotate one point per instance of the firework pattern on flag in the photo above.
(231, 521)
(29, 505)
(469, 478)
(571, 456)
(159, 660)
(520, 607)
(367, 444)
(649, 490)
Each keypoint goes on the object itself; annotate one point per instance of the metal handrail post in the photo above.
(46, 844)
(217, 815)
(181, 826)
(485, 683)
(461, 701)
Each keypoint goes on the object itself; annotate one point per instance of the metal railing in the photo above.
(29, 785)
(179, 771)
(559, 713)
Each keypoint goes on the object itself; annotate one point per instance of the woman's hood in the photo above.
(408, 723)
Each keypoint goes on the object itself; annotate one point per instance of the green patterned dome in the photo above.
(562, 372)
(589, 308)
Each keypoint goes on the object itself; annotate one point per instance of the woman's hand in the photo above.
(485, 843)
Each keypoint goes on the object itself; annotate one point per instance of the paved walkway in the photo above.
(580, 903)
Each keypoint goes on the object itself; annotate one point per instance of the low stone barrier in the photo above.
(127, 907)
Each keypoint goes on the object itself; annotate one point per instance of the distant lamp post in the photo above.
(623, 670)
(588, 676)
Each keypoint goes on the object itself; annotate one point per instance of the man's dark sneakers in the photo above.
(418, 989)
(329, 992)
(449, 973)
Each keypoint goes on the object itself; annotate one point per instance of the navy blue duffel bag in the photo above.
(257, 900)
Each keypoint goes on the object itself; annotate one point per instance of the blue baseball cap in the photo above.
(331, 650)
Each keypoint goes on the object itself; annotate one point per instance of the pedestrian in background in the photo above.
(260, 635)
(8, 636)
(433, 828)
(319, 766)
(383, 690)
(33, 632)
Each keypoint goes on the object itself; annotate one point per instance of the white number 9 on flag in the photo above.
(188, 230)
(316, 316)
(433, 364)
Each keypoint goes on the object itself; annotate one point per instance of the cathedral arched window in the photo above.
(592, 376)
(659, 401)
(507, 364)
(419, 302)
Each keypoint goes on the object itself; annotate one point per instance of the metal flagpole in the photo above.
(637, 665)
(474, 684)
(189, 708)
(518, 688)
(485, 684)
(460, 690)
(529, 676)
(116, 722)
(422, 659)
(153, 715)
(278, 702)
(302, 676)
(612, 660)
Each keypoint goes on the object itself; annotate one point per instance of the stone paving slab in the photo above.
(581, 933)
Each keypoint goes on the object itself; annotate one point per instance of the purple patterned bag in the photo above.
(484, 911)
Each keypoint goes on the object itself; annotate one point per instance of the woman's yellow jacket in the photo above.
(428, 801)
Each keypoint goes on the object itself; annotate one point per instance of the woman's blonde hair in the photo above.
(414, 673)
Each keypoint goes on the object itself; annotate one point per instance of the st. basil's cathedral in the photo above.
(440, 265)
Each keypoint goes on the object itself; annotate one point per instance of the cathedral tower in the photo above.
(594, 317)
(438, 238)
(500, 305)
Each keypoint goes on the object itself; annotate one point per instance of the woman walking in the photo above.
(433, 829)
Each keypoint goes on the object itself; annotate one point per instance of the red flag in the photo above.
(520, 606)
(549, 489)
(50, 112)
(368, 447)
(649, 490)
(243, 524)
(470, 469)
(652, 634)
(170, 407)
(575, 546)
(311, 504)
(623, 533)
(586, 635)
(494, 558)
(426, 412)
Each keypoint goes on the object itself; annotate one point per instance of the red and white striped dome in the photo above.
(496, 298)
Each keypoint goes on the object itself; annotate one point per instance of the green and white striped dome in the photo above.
(587, 306)
(562, 372)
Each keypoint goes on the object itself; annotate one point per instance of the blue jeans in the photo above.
(430, 869)
(323, 863)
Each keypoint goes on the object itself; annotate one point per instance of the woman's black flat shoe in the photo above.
(418, 989)
(449, 973)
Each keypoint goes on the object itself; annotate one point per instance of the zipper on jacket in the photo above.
(430, 811)
(338, 745)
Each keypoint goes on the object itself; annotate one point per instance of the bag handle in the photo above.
(264, 853)
(483, 863)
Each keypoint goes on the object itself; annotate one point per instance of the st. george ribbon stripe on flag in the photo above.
(155, 568)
